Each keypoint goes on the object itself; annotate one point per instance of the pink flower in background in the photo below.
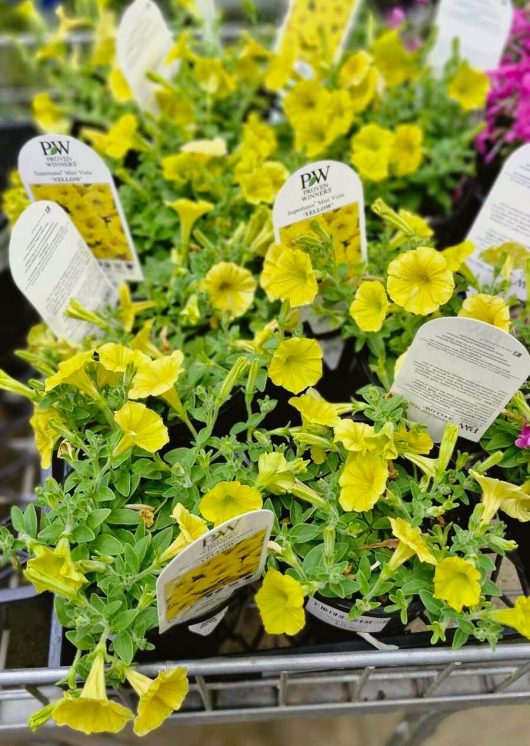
(523, 441)
(396, 17)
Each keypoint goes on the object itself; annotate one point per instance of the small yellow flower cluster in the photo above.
(259, 177)
(377, 151)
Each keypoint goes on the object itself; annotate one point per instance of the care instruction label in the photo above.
(482, 28)
(503, 218)
(205, 574)
(51, 264)
(330, 193)
(64, 170)
(143, 43)
(206, 627)
(462, 371)
(337, 618)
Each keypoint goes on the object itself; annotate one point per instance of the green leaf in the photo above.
(123, 647)
(30, 521)
(123, 483)
(124, 620)
(104, 494)
(304, 532)
(83, 534)
(107, 544)
(97, 517)
(17, 519)
(459, 639)
(123, 516)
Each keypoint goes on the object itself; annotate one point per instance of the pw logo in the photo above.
(55, 147)
(311, 178)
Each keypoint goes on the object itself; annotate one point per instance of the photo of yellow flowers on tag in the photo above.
(317, 29)
(341, 224)
(94, 213)
(218, 572)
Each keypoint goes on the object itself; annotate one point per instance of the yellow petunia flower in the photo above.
(280, 601)
(296, 364)
(280, 69)
(141, 427)
(456, 581)
(498, 495)
(230, 288)
(518, 617)
(407, 149)
(363, 481)
(469, 87)
(419, 442)
(489, 308)
(8, 383)
(129, 309)
(356, 437)
(190, 314)
(158, 378)
(259, 137)
(209, 148)
(411, 542)
(370, 306)
(455, 256)
(118, 86)
(315, 410)
(277, 475)
(115, 357)
(158, 698)
(371, 151)
(291, 277)
(191, 528)
(44, 422)
(420, 281)
(189, 212)
(393, 60)
(212, 77)
(305, 99)
(355, 69)
(92, 711)
(72, 372)
(54, 570)
(122, 137)
(227, 500)
(263, 183)
(49, 117)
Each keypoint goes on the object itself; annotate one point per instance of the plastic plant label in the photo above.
(207, 572)
(64, 170)
(337, 618)
(481, 27)
(51, 264)
(142, 45)
(503, 218)
(332, 349)
(206, 627)
(317, 30)
(330, 193)
(462, 371)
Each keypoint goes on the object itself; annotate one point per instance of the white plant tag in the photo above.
(462, 371)
(504, 217)
(482, 28)
(206, 627)
(142, 45)
(337, 618)
(331, 193)
(212, 568)
(51, 265)
(64, 170)
(332, 349)
(334, 27)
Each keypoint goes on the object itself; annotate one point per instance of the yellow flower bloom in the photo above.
(355, 69)
(280, 601)
(54, 570)
(420, 281)
(230, 288)
(277, 475)
(142, 341)
(356, 437)
(371, 151)
(115, 357)
(314, 409)
(370, 307)
(129, 309)
(227, 500)
(290, 278)
(413, 441)
(393, 60)
(189, 212)
(158, 698)
(518, 617)
(499, 495)
(141, 427)
(44, 423)
(455, 256)
(469, 87)
(118, 86)
(8, 383)
(212, 77)
(457, 581)
(280, 69)
(304, 100)
(209, 148)
(72, 372)
(14, 199)
(296, 364)
(383, 442)
(157, 378)
(363, 481)
(48, 115)
(121, 137)
(407, 150)
(411, 542)
(259, 137)
(263, 183)
(191, 528)
(492, 309)
(92, 711)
